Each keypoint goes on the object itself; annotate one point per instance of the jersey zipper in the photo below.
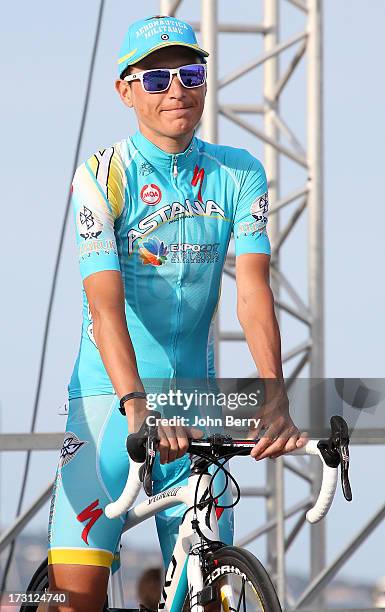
(175, 166)
(179, 281)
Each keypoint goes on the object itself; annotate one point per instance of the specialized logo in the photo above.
(169, 493)
(71, 446)
(199, 175)
(153, 252)
(151, 194)
(172, 212)
(218, 511)
(90, 226)
(91, 513)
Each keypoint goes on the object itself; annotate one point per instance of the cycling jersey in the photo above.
(164, 221)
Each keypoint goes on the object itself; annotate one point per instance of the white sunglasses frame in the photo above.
(138, 76)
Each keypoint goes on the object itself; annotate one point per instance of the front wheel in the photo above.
(240, 582)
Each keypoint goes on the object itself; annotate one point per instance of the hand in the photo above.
(281, 435)
(174, 441)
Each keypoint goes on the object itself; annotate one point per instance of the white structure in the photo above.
(308, 195)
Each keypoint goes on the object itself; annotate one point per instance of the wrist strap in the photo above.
(132, 395)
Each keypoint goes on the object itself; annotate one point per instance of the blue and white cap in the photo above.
(148, 35)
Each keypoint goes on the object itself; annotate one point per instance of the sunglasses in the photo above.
(159, 79)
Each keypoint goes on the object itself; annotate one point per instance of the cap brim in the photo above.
(196, 48)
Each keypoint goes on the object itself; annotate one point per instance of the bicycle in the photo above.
(217, 575)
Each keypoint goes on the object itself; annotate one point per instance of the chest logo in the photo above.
(199, 175)
(151, 194)
(153, 252)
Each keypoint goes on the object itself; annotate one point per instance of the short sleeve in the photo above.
(250, 218)
(97, 199)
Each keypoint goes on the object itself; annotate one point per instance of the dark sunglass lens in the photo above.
(156, 80)
(193, 76)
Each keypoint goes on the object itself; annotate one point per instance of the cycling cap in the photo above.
(148, 35)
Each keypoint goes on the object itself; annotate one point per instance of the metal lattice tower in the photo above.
(308, 196)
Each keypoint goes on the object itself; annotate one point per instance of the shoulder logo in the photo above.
(151, 194)
(89, 224)
(260, 206)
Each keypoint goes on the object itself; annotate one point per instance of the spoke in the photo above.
(242, 593)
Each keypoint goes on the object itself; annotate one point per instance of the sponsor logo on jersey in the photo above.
(71, 445)
(89, 224)
(194, 253)
(246, 228)
(260, 207)
(145, 169)
(95, 246)
(153, 252)
(91, 514)
(199, 175)
(151, 194)
(169, 213)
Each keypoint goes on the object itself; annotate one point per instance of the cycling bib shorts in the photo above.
(92, 471)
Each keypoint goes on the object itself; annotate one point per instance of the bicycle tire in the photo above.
(39, 583)
(231, 560)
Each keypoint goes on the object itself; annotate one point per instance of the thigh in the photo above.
(92, 470)
(85, 584)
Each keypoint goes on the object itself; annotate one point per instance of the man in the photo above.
(154, 214)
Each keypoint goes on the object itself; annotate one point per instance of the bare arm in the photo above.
(105, 294)
(255, 309)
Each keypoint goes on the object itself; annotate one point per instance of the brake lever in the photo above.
(335, 451)
(340, 437)
(145, 471)
(141, 447)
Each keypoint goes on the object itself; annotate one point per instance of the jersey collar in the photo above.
(159, 158)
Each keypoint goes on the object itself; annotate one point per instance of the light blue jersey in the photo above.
(165, 222)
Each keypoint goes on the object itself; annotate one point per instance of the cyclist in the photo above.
(153, 215)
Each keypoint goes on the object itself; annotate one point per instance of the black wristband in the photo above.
(139, 394)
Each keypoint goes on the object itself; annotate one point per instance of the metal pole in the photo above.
(209, 123)
(274, 469)
(316, 267)
(169, 7)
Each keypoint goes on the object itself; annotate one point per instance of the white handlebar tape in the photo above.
(328, 486)
(315, 514)
(128, 495)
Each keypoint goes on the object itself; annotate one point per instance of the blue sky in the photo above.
(45, 54)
